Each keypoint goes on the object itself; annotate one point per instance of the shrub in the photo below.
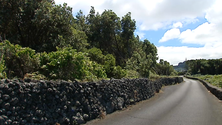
(108, 61)
(18, 60)
(2, 67)
(154, 76)
(109, 64)
(96, 55)
(215, 80)
(132, 74)
(118, 72)
(68, 64)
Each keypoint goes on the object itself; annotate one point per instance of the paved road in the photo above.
(188, 103)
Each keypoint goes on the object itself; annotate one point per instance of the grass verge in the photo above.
(215, 80)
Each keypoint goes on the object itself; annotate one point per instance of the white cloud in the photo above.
(174, 55)
(209, 31)
(168, 11)
(213, 14)
(177, 25)
(170, 34)
(151, 14)
(84, 5)
(207, 34)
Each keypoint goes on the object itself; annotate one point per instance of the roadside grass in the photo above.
(215, 80)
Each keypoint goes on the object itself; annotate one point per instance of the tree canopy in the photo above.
(57, 40)
(203, 66)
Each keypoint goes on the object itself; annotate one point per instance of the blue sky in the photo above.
(180, 29)
(154, 36)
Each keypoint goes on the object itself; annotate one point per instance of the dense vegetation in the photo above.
(208, 70)
(215, 80)
(204, 67)
(40, 37)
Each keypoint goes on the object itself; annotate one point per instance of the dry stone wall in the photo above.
(50, 102)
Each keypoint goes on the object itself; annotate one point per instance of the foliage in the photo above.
(96, 55)
(35, 76)
(68, 64)
(109, 40)
(2, 67)
(215, 80)
(154, 76)
(111, 34)
(18, 60)
(151, 52)
(203, 66)
(35, 24)
(143, 59)
(108, 61)
(118, 72)
(181, 72)
(78, 40)
(132, 74)
(109, 64)
(164, 68)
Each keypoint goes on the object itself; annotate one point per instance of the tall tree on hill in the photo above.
(110, 28)
(81, 21)
(143, 59)
(112, 35)
(94, 32)
(128, 27)
(151, 51)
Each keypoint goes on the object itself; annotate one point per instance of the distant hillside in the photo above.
(181, 66)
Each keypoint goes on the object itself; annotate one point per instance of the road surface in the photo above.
(188, 103)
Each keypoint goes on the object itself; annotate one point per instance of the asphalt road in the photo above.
(188, 103)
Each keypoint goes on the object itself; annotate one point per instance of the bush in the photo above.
(68, 64)
(132, 74)
(154, 76)
(18, 60)
(96, 55)
(108, 61)
(109, 64)
(118, 72)
(2, 67)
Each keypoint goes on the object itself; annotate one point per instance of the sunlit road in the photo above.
(188, 103)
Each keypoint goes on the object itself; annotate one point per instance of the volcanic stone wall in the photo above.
(66, 103)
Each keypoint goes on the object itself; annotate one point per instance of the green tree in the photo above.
(96, 55)
(35, 24)
(128, 27)
(108, 61)
(110, 27)
(143, 59)
(78, 40)
(203, 66)
(140, 62)
(94, 33)
(151, 50)
(81, 21)
(164, 68)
